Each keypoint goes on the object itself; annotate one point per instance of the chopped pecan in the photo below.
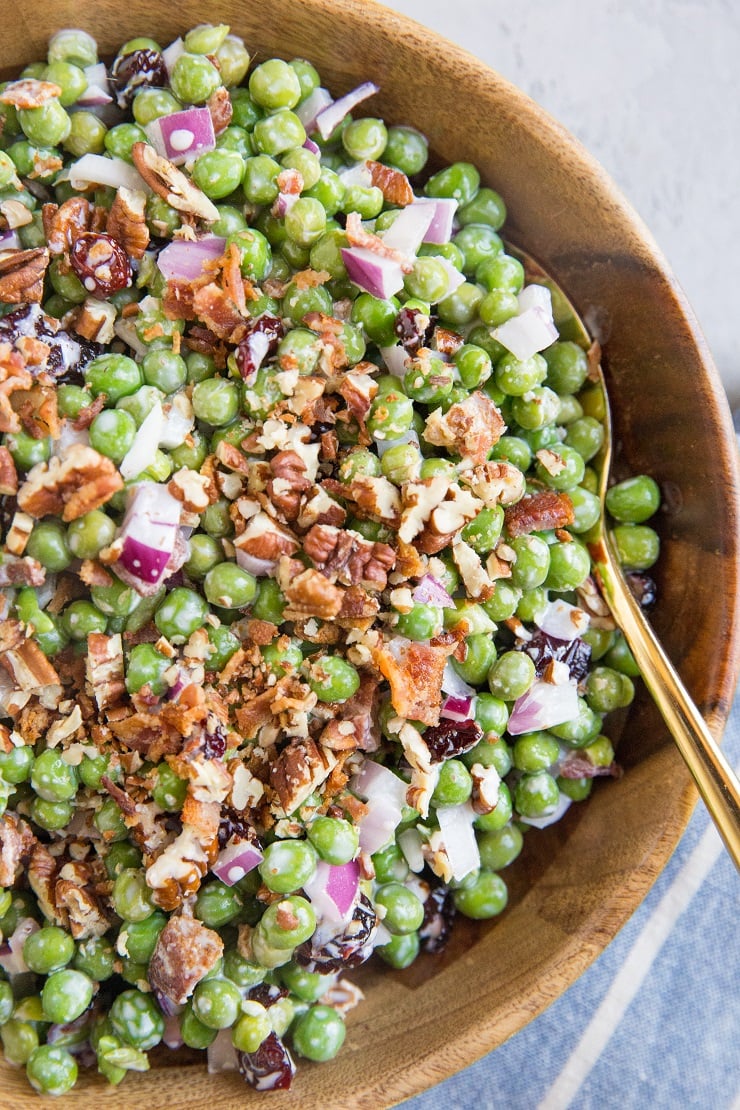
(8, 474)
(539, 512)
(264, 538)
(477, 581)
(30, 669)
(310, 594)
(255, 713)
(17, 841)
(288, 483)
(470, 427)
(24, 571)
(42, 873)
(65, 222)
(394, 185)
(29, 93)
(178, 870)
(147, 734)
(81, 909)
(105, 671)
(185, 952)
(486, 781)
(221, 110)
(171, 184)
(95, 320)
(37, 411)
(193, 489)
(447, 342)
(348, 558)
(495, 483)
(261, 632)
(374, 498)
(358, 389)
(22, 275)
(298, 770)
(70, 487)
(127, 221)
(14, 378)
(16, 539)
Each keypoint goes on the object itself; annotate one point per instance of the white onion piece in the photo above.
(126, 330)
(222, 1054)
(372, 272)
(395, 359)
(178, 422)
(332, 890)
(453, 684)
(96, 74)
(260, 568)
(454, 278)
(457, 709)
(406, 233)
(45, 593)
(331, 116)
(549, 818)
(379, 824)
(410, 842)
(375, 781)
(236, 860)
(431, 591)
(563, 621)
(440, 228)
(543, 706)
(96, 169)
(308, 109)
(411, 436)
(171, 53)
(143, 450)
(526, 334)
(533, 296)
(456, 826)
(68, 436)
(96, 92)
(183, 135)
(359, 174)
(13, 962)
(183, 260)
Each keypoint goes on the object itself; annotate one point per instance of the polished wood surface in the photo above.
(579, 881)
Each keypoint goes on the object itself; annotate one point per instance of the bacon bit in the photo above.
(215, 309)
(539, 512)
(262, 632)
(357, 236)
(470, 427)
(447, 342)
(147, 734)
(233, 282)
(221, 110)
(29, 93)
(415, 678)
(290, 183)
(394, 185)
(309, 279)
(8, 474)
(86, 416)
(184, 953)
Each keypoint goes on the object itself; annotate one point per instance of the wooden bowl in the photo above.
(578, 882)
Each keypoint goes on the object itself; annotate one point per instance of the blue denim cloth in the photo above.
(676, 1045)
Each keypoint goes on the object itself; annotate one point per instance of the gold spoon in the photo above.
(715, 779)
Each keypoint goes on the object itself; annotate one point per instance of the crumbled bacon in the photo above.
(414, 671)
(539, 512)
(185, 952)
(220, 108)
(393, 184)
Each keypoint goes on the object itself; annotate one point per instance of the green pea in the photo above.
(570, 565)
(216, 520)
(119, 140)
(480, 655)
(486, 896)
(52, 778)
(66, 994)
(477, 242)
(454, 784)
(89, 534)
(581, 729)
(575, 789)
(536, 795)
(131, 897)
(401, 463)
(335, 839)
(567, 367)
(500, 847)
(140, 937)
(473, 364)
(136, 1019)
(51, 815)
(401, 950)
(229, 587)
(162, 220)
(15, 767)
(216, 401)
(287, 865)
(288, 923)
(50, 949)
(306, 163)
(95, 957)
(532, 562)
(179, 615)
(503, 602)
(404, 912)
(608, 689)
(621, 658)
(511, 675)
(501, 271)
(391, 415)
(146, 666)
(26, 450)
(634, 500)
(333, 679)
(193, 78)
(330, 191)
(422, 622)
(297, 303)
(487, 207)
(319, 1033)
(48, 125)
(86, 134)
(252, 1027)
(48, 544)
(586, 509)
(218, 172)
(491, 713)
(460, 181)
(305, 222)
(535, 751)
(274, 84)
(518, 377)
(80, 618)
(121, 854)
(115, 375)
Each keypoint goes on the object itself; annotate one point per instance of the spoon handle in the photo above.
(717, 782)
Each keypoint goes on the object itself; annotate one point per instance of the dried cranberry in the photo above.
(68, 355)
(579, 766)
(137, 70)
(234, 826)
(543, 649)
(439, 913)
(267, 994)
(270, 1068)
(643, 588)
(414, 329)
(100, 263)
(451, 738)
(348, 949)
(214, 741)
(260, 342)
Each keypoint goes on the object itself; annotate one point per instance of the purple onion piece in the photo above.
(168, 1007)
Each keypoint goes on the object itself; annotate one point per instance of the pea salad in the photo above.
(299, 637)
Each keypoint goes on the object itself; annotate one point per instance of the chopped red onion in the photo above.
(410, 842)
(440, 228)
(457, 709)
(526, 334)
(359, 174)
(96, 169)
(379, 824)
(431, 591)
(332, 890)
(283, 204)
(9, 241)
(373, 780)
(313, 147)
(456, 826)
(260, 568)
(379, 276)
(453, 684)
(563, 621)
(183, 260)
(395, 359)
(143, 450)
(178, 422)
(183, 135)
(96, 93)
(11, 953)
(331, 116)
(406, 233)
(411, 436)
(222, 1054)
(237, 859)
(533, 296)
(171, 53)
(548, 818)
(454, 278)
(97, 74)
(172, 1035)
(308, 109)
(543, 706)
(149, 533)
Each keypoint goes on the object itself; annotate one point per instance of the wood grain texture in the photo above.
(579, 881)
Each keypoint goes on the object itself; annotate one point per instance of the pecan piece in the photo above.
(289, 483)
(95, 321)
(539, 513)
(394, 185)
(171, 184)
(219, 105)
(22, 275)
(184, 953)
(127, 221)
(349, 558)
(470, 427)
(64, 222)
(310, 594)
(8, 474)
(17, 841)
(299, 770)
(69, 487)
(81, 909)
(29, 93)
(104, 664)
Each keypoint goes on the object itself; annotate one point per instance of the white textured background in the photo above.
(652, 89)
